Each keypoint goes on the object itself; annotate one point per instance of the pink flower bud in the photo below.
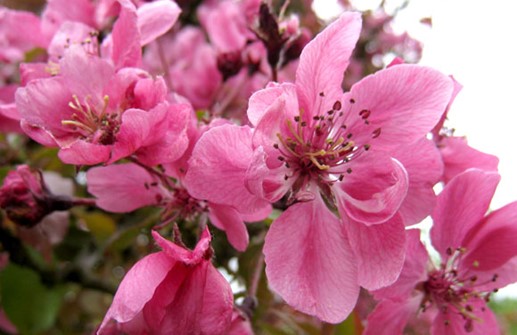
(26, 199)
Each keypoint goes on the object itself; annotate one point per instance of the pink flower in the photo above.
(174, 291)
(123, 188)
(326, 152)
(478, 256)
(96, 115)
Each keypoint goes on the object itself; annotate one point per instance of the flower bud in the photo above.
(26, 199)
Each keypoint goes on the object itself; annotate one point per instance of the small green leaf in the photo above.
(30, 306)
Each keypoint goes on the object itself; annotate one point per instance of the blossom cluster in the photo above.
(232, 118)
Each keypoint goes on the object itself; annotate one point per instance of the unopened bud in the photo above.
(26, 199)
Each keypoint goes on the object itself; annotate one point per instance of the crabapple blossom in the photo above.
(173, 291)
(321, 148)
(477, 257)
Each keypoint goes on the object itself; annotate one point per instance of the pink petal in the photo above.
(274, 119)
(123, 188)
(155, 19)
(188, 257)
(85, 75)
(374, 189)
(137, 288)
(84, 153)
(171, 287)
(324, 60)
(380, 251)
(225, 25)
(404, 102)
(44, 104)
(309, 262)
(38, 134)
(203, 304)
(391, 317)
(506, 274)
(424, 166)
(413, 271)
(136, 127)
(266, 183)
(170, 144)
(451, 322)
(228, 219)
(491, 243)
(458, 156)
(220, 159)
(260, 102)
(460, 206)
(126, 49)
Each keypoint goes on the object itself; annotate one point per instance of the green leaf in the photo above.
(30, 306)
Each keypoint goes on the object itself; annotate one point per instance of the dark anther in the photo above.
(352, 101)
(473, 278)
(146, 185)
(343, 126)
(349, 170)
(330, 112)
(337, 105)
(469, 326)
(154, 183)
(349, 136)
(494, 278)
(297, 118)
(316, 118)
(469, 308)
(275, 145)
(286, 177)
(376, 133)
(322, 94)
(304, 123)
(281, 158)
(366, 147)
(449, 251)
(365, 113)
(341, 177)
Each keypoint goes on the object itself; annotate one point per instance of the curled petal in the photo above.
(374, 189)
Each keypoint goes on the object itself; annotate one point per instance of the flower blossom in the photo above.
(95, 114)
(478, 257)
(329, 155)
(173, 291)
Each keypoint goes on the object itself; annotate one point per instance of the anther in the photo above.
(297, 118)
(494, 278)
(376, 133)
(366, 147)
(322, 94)
(352, 101)
(275, 146)
(281, 158)
(337, 105)
(349, 136)
(365, 113)
(349, 170)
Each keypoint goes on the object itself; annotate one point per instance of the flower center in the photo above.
(452, 291)
(92, 125)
